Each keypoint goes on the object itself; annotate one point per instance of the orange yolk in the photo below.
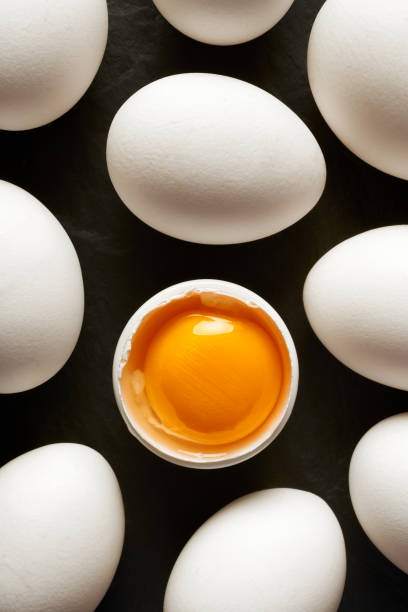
(211, 379)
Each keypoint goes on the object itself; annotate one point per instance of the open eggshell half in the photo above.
(210, 293)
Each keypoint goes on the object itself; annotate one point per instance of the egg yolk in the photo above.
(212, 379)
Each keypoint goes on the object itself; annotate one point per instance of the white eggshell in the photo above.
(212, 159)
(50, 52)
(41, 292)
(356, 299)
(279, 549)
(61, 530)
(222, 22)
(254, 444)
(379, 487)
(358, 72)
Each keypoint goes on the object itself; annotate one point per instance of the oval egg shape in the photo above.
(356, 300)
(61, 530)
(278, 549)
(220, 22)
(358, 73)
(379, 487)
(41, 290)
(49, 55)
(211, 159)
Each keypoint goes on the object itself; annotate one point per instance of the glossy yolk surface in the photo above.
(212, 379)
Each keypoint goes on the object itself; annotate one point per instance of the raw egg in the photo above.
(358, 72)
(356, 300)
(279, 550)
(50, 51)
(62, 527)
(379, 487)
(222, 22)
(41, 292)
(214, 160)
(205, 373)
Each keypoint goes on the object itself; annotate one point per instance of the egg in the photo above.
(358, 72)
(50, 52)
(61, 530)
(356, 299)
(379, 487)
(205, 374)
(41, 292)
(211, 159)
(222, 22)
(278, 549)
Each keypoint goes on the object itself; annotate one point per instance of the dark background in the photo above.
(125, 262)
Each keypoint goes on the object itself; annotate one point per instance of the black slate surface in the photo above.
(124, 262)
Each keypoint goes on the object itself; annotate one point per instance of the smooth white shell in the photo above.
(41, 292)
(358, 72)
(279, 549)
(356, 299)
(61, 530)
(379, 487)
(223, 22)
(212, 159)
(175, 292)
(50, 52)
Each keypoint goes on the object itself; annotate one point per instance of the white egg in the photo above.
(358, 72)
(356, 299)
(211, 293)
(379, 487)
(50, 52)
(222, 22)
(279, 549)
(211, 159)
(61, 530)
(41, 289)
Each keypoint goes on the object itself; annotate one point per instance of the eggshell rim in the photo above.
(178, 291)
